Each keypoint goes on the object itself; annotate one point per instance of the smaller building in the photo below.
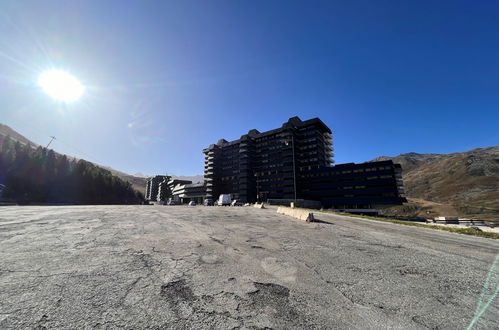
(152, 187)
(447, 218)
(162, 188)
(189, 192)
(175, 182)
(355, 188)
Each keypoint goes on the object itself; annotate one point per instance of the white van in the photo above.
(224, 199)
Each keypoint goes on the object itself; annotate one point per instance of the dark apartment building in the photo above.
(154, 186)
(294, 162)
(164, 190)
(360, 187)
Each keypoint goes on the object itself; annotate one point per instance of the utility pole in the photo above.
(257, 193)
(294, 166)
(52, 138)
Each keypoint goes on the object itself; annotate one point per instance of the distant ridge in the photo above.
(193, 178)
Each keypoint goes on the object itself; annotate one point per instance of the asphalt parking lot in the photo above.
(201, 267)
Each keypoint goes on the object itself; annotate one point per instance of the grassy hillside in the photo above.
(463, 183)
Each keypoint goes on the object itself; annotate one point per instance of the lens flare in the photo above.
(61, 85)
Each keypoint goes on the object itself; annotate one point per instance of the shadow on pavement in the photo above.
(316, 220)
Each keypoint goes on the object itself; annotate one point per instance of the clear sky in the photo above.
(165, 79)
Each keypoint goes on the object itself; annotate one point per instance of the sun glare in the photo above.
(61, 85)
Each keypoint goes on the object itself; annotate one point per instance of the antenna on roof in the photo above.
(52, 138)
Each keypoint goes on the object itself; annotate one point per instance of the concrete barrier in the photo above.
(307, 204)
(259, 206)
(296, 213)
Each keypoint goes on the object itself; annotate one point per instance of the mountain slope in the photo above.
(7, 131)
(39, 175)
(466, 183)
(137, 182)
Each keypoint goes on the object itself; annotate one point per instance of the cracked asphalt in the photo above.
(179, 267)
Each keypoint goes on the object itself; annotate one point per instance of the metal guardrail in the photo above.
(467, 222)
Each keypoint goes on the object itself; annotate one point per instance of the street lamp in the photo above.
(257, 193)
(294, 167)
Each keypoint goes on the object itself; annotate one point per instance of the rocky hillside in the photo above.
(463, 183)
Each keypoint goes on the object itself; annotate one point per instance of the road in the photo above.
(179, 267)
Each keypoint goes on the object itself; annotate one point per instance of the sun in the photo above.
(61, 85)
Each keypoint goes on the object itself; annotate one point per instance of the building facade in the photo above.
(153, 186)
(162, 188)
(365, 187)
(293, 162)
(189, 192)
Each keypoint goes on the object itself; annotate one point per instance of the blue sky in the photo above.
(165, 79)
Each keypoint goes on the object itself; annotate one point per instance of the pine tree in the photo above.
(42, 176)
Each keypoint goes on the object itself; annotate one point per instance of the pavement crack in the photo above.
(129, 289)
(219, 241)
